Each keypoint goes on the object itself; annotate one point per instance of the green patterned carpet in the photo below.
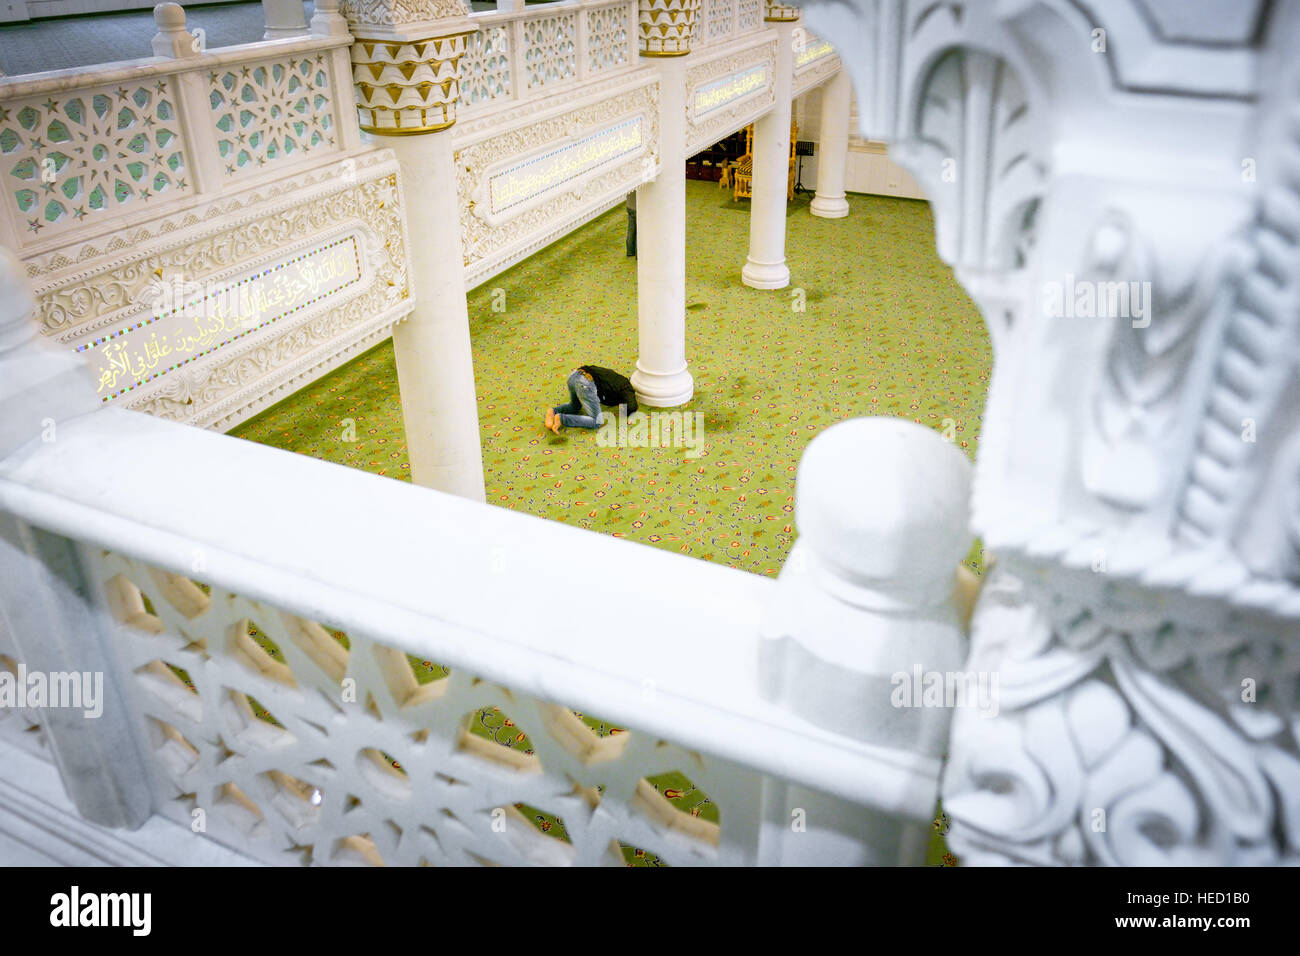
(873, 324)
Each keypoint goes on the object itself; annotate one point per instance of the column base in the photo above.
(281, 33)
(829, 207)
(765, 275)
(663, 389)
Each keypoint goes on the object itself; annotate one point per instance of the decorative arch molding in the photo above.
(1125, 211)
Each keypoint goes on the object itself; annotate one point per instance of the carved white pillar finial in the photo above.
(327, 21)
(868, 602)
(173, 40)
(284, 18)
(865, 613)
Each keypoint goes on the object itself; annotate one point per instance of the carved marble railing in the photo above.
(544, 50)
(205, 226)
(723, 20)
(309, 663)
(89, 150)
(1117, 185)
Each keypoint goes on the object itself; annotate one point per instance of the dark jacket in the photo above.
(612, 388)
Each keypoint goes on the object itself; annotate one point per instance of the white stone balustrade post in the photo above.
(327, 21)
(284, 18)
(53, 621)
(175, 42)
(869, 609)
(765, 267)
(833, 144)
(172, 39)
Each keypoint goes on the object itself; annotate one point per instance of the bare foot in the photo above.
(555, 424)
(550, 414)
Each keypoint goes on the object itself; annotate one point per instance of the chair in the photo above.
(742, 170)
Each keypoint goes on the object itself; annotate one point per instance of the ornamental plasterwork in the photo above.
(249, 375)
(398, 12)
(816, 74)
(483, 270)
(60, 267)
(71, 161)
(237, 388)
(721, 122)
(219, 388)
(407, 86)
(667, 27)
(109, 280)
(1139, 463)
(492, 120)
(483, 240)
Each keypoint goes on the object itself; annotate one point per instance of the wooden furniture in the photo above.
(742, 170)
(714, 163)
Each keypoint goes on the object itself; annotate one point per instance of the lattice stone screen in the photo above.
(485, 67)
(550, 49)
(609, 43)
(303, 744)
(720, 16)
(269, 111)
(749, 16)
(103, 150)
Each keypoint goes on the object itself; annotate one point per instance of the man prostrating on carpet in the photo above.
(590, 387)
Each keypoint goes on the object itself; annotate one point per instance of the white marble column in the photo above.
(833, 145)
(435, 363)
(661, 378)
(284, 18)
(766, 268)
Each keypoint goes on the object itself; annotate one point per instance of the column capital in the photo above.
(667, 27)
(779, 13)
(406, 63)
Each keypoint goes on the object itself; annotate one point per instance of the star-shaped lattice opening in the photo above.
(298, 801)
(384, 772)
(130, 606)
(252, 725)
(672, 800)
(490, 734)
(411, 680)
(176, 753)
(240, 811)
(173, 686)
(253, 648)
(591, 739)
(357, 850)
(328, 649)
(188, 598)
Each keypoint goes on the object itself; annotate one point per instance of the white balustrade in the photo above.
(124, 141)
(317, 657)
(542, 50)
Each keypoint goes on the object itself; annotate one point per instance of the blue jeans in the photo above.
(583, 398)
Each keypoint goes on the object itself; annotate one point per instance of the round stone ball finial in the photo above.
(172, 39)
(169, 17)
(883, 506)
